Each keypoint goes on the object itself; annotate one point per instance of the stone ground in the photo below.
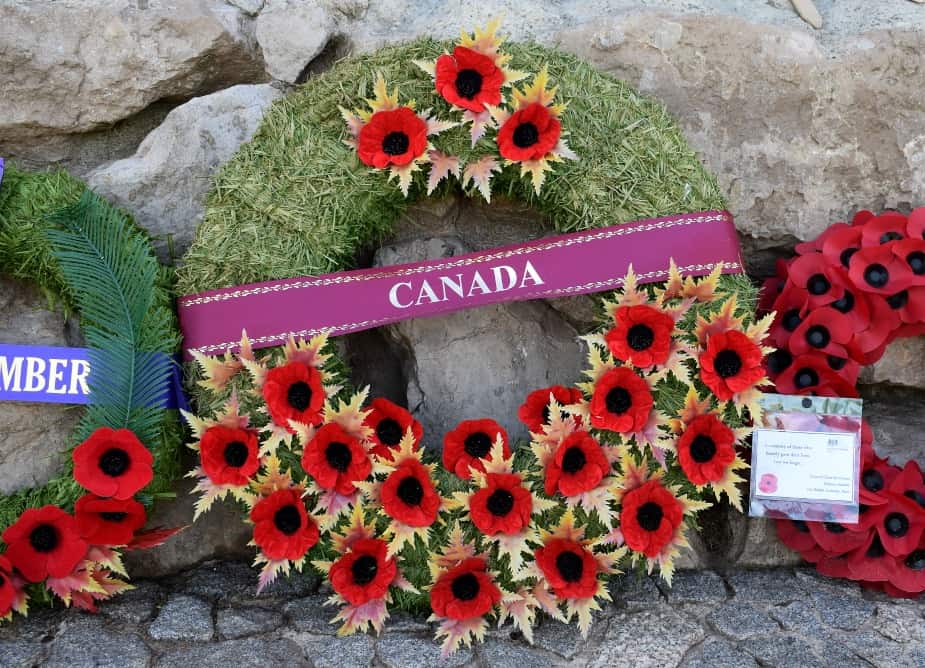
(210, 616)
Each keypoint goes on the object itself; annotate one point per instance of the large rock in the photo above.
(76, 65)
(291, 33)
(478, 362)
(32, 436)
(164, 183)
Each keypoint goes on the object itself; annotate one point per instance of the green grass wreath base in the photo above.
(296, 200)
(27, 200)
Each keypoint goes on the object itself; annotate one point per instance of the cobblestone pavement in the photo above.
(210, 617)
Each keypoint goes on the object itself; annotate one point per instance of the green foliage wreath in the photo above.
(48, 228)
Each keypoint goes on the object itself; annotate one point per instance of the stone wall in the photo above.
(146, 98)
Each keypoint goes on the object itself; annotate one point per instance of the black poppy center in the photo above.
(800, 526)
(299, 395)
(916, 260)
(410, 491)
(649, 516)
(845, 304)
(898, 300)
(477, 445)
(113, 516)
(500, 503)
(573, 460)
(792, 320)
(702, 449)
(570, 566)
(465, 587)
(114, 462)
(364, 569)
(876, 275)
(526, 135)
(896, 524)
(836, 363)
(395, 143)
(727, 363)
(876, 549)
(640, 337)
(818, 284)
(845, 257)
(43, 538)
(916, 496)
(806, 377)
(872, 480)
(287, 519)
(916, 560)
(618, 400)
(818, 336)
(235, 454)
(887, 237)
(388, 431)
(338, 456)
(779, 360)
(834, 527)
(468, 83)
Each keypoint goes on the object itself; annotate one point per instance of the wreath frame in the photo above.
(28, 204)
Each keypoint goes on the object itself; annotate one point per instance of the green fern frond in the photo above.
(110, 269)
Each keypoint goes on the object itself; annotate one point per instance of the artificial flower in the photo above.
(294, 392)
(108, 521)
(649, 517)
(622, 401)
(229, 455)
(364, 572)
(877, 270)
(283, 530)
(113, 462)
(465, 591)
(568, 567)
(705, 449)
(470, 443)
(641, 335)
(389, 422)
(11, 595)
(44, 542)
(503, 505)
(534, 412)
(578, 465)
(336, 460)
(731, 363)
(408, 494)
(469, 79)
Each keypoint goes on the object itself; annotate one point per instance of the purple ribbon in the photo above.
(350, 301)
(54, 375)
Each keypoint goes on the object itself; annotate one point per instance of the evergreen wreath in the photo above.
(90, 258)
(329, 478)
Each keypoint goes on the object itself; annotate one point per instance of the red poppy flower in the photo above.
(113, 463)
(915, 226)
(503, 506)
(336, 460)
(811, 374)
(229, 456)
(649, 517)
(282, 527)
(8, 593)
(108, 521)
(44, 542)
(839, 243)
(471, 442)
(390, 423)
(364, 573)
(641, 335)
(392, 137)
(815, 278)
(706, 449)
(912, 252)
(908, 306)
(465, 591)
(529, 134)
(730, 364)
(569, 568)
(795, 534)
(791, 307)
(836, 538)
(578, 465)
(294, 392)
(876, 269)
(877, 476)
(861, 217)
(469, 79)
(880, 230)
(900, 523)
(909, 483)
(909, 573)
(621, 401)
(825, 330)
(871, 562)
(408, 495)
(534, 412)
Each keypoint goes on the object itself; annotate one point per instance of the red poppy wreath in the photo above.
(845, 297)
